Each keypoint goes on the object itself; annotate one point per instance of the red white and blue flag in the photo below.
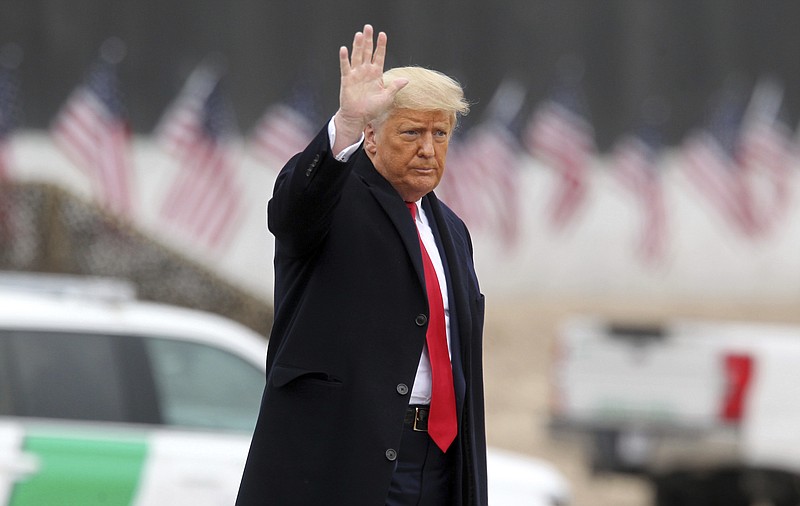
(740, 161)
(281, 133)
(92, 130)
(635, 166)
(204, 201)
(764, 152)
(562, 139)
(481, 183)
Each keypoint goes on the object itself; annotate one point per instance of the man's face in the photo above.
(409, 150)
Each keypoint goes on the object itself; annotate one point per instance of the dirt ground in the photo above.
(517, 348)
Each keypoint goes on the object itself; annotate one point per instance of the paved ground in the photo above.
(518, 347)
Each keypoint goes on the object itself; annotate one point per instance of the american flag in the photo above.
(282, 132)
(764, 152)
(481, 183)
(92, 130)
(204, 200)
(711, 164)
(635, 167)
(564, 140)
(460, 183)
(9, 91)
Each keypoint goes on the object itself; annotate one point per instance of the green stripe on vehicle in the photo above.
(81, 472)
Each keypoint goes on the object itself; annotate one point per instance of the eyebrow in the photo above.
(443, 125)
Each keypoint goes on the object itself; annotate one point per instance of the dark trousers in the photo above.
(423, 474)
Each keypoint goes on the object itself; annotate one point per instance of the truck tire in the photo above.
(775, 488)
(720, 488)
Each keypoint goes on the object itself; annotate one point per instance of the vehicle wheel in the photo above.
(685, 489)
(776, 488)
(674, 490)
(727, 488)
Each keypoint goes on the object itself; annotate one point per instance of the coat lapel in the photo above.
(455, 279)
(394, 207)
(460, 324)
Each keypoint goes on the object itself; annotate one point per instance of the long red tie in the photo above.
(442, 418)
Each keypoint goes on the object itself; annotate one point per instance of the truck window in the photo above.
(61, 375)
(206, 387)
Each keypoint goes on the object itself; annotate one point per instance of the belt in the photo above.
(417, 417)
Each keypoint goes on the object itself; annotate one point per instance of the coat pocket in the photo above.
(282, 376)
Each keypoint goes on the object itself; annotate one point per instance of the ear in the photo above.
(370, 145)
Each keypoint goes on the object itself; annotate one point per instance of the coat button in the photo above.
(402, 388)
(421, 320)
(391, 454)
(313, 165)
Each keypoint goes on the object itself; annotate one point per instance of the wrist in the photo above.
(348, 130)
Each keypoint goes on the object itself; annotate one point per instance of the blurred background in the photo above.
(631, 158)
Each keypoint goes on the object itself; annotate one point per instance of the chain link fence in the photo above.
(45, 229)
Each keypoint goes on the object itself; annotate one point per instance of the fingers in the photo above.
(362, 46)
(363, 49)
(380, 51)
(367, 44)
(358, 44)
(344, 61)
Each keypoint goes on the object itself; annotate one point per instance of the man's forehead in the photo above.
(420, 116)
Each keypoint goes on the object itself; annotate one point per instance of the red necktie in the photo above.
(442, 417)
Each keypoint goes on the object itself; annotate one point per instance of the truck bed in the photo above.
(680, 393)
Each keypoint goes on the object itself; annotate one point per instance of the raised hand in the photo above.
(362, 94)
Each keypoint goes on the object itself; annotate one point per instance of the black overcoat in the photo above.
(350, 322)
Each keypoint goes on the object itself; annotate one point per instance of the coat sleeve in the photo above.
(306, 192)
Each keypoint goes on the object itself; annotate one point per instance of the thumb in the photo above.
(397, 85)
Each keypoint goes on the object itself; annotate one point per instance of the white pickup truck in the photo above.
(708, 411)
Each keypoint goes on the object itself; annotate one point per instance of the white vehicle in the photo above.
(108, 400)
(709, 411)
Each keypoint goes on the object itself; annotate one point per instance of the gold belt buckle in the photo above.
(417, 419)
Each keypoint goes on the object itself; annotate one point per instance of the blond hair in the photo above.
(427, 90)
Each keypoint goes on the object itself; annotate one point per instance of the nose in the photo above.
(426, 145)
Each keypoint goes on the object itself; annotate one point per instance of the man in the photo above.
(374, 396)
